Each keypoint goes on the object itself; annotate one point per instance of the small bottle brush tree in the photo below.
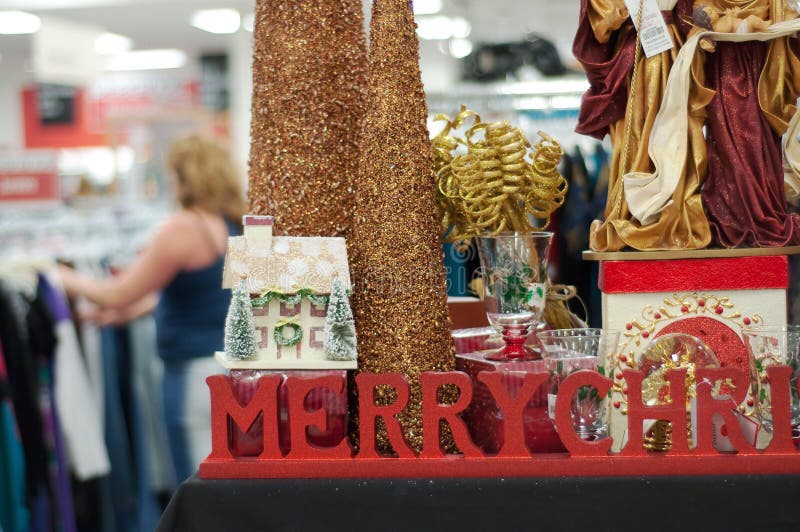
(340, 329)
(240, 331)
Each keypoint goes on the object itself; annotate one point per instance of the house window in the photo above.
(287, 350)
(316, 338)
(287, 310)
(319, 311)
(264, 331)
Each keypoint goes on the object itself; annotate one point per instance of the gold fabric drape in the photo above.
(682, 224)
(780, 79)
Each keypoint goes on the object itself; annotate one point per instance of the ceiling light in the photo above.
(147, 60)
(460, 28)
(427, 7)
(18, 23)
(249, 22)
(440, 27)
(433, 28)
(460, 48)
(112, 43)
(217, 20)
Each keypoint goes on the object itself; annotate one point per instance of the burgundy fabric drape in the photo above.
(608, 66)
(743, 192)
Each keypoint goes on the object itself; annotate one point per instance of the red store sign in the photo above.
(29, 176)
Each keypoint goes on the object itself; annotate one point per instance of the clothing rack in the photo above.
(106, 380)
(92, 454)
(72, 233)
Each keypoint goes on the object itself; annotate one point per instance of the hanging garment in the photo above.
(187, 410)
(147, 372)
(574, 226)
(90, 339)
(14, 514)
(93, 358)
(23, 375)
(122, 480)
(43, 341)
(74, 397)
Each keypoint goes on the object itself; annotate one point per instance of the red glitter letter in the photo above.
(707, 406)
(368, 411)
(433, 411)
(300, 418)
(513, 424)
(675, 412)
(224, 404)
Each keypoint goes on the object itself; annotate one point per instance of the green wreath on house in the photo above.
(280, 335)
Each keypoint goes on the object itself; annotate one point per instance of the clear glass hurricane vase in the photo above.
(568, 350)
(768, 345)
(514, 271)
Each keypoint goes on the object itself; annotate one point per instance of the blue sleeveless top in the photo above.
(190, 317)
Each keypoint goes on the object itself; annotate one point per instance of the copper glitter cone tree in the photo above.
(400, 296)
(309, 87)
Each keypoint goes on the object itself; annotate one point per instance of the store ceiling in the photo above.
(150, 23)
(164, 23)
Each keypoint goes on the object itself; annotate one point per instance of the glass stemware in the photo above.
(514, 269)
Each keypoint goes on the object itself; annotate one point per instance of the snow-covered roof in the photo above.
(290, 264)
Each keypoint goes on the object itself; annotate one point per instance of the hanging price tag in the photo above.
(654, 33)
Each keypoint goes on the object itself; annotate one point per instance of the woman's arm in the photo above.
(150, 272)
(108, 316)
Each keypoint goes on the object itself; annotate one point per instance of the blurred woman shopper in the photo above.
(184, 263)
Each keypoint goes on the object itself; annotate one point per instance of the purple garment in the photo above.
(56, 301)
(64, 504)
(56, 459)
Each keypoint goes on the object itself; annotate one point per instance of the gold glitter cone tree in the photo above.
(400, 296)
(309, 87)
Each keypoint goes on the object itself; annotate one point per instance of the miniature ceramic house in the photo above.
(290, 281)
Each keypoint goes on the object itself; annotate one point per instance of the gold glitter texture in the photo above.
(399, 298)
(309, 88)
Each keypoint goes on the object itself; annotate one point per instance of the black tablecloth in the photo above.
(746, 503)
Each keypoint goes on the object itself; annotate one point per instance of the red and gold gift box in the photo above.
(710, 294)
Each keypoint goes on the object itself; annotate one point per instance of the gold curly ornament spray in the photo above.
(493, 187)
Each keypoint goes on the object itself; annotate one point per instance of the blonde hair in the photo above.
(206, 177)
